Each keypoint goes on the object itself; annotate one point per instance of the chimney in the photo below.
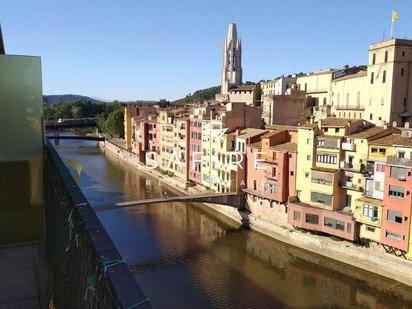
(407, 125)
(394, 124)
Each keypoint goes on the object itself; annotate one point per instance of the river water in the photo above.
(187, 256)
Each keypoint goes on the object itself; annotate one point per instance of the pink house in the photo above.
(397, 203)
(271, 166)
(333, 222)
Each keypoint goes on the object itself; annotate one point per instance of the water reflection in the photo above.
(186, 256)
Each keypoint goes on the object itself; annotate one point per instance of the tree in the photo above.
(101, 121)
(114, 123)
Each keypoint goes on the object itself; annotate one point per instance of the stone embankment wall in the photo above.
(270, 223)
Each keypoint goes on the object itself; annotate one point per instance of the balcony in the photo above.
(393, 160)
(81, 255)
(354, 167)
(350, 107)
(348, 146)
(322, 181)
(351, 186)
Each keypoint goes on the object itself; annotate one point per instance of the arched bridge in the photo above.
(229, 199)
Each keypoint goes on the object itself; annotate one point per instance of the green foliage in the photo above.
(78, 109)
(164, 103)
(114, 123)
(101, 121)
(200, 95)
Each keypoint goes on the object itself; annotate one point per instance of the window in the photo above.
(321, 142)
(370, 228)
(349, 227)
(384, 77)
(337, 129)
(393, 236)
(402, 71)
(254, 185)
(312, 219)
(308, 141)
(386, 56)
(292, 173)
(370, 211)
(396, 191)
(401, 154)
(321, 198)
(308, 157)
(404, 102)
(373, 58)
(403, 53)
(349, 199)
(338, 99)
(326, 158)
(347, 99)
(380, 167)
(358, 99)
(296, 215)
(372, 77)
(334, 223)
(370, 116)
(394, 216)
(398, 172)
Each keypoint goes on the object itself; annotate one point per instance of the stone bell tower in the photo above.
(232, 61)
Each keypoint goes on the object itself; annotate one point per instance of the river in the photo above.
(187, 256)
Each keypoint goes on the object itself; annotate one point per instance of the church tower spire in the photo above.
(232, 65)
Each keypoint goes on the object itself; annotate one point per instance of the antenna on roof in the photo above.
(2, 50)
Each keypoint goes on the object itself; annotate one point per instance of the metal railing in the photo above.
(85, 268)
(394, 160)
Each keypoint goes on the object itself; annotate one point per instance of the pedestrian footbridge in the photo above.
(228, 199)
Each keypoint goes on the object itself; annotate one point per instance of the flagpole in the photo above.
(392, 29)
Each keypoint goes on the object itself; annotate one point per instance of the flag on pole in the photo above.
(394, 16)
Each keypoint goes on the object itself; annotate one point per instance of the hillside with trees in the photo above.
(199, 95)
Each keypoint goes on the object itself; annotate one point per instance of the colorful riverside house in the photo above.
(271, 174)
(131, 111)
(145, 137)
(197, 115)
(180, 159)
(397, 196)
(168, 132)
(325, 192)
(369, 205)
(223, 119)
(229, 160)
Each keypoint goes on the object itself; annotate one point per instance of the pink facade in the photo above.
(271, 167)
(195, 149)
(148, 139)
(337, 223)
(397, 206)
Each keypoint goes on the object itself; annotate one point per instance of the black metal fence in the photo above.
(85, 268)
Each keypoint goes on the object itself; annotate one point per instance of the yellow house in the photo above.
(317, 85)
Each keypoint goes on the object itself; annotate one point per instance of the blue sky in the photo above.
(130, 50)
